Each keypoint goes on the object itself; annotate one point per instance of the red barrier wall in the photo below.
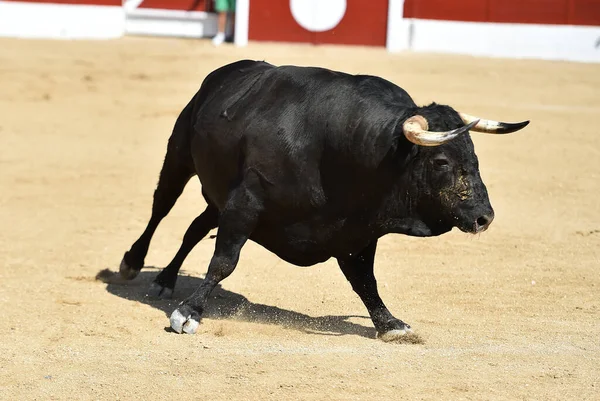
(75, 2)
(563, 12)
(365, 23)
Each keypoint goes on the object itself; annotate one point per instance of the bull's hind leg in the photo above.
(175, 174)
(236, 223)
(358, 269)
(163, 285)
(173, 177)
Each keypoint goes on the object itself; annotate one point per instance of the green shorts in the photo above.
(225, 6)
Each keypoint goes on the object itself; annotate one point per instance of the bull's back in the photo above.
(279, 122)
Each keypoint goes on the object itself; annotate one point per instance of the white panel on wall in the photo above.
(61, 21)
(551, 42)
(318, 15)
(178, 23)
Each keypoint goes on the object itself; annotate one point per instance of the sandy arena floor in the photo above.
(513, 314)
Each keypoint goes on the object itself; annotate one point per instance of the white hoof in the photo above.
(191, 326)
(183, 324)
(394, 335)
(177, 321)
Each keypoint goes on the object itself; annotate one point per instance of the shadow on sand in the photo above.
(225, 304)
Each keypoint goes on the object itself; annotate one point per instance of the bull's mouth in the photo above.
(468, 230)
(474, 229)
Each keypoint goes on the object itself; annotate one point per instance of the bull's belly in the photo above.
(306, 244)
(299, 253)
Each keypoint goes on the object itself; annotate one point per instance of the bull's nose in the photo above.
(483, 222)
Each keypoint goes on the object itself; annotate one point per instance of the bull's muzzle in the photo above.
(483, 222)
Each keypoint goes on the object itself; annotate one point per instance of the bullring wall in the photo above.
(547, 29)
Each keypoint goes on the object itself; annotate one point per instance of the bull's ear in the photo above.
(491, 126)
(416, 130)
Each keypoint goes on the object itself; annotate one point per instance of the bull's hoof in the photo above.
(127, 272)
(157, 291)
(394, 330)
(403, 335)
(394, 335)
(183, 321)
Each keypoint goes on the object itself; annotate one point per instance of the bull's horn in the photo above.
(491, 126)
(415, 130)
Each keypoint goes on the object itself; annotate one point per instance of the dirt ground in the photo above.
(512, 314)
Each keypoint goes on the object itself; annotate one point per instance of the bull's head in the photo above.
(453, 194)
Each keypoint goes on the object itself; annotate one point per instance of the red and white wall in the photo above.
(355, 22)
(182, 18)
(105, 19)
(548, 29)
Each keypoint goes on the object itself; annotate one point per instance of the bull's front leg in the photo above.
(358, 269)
(236, 223)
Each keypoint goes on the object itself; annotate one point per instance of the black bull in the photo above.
(313, 164)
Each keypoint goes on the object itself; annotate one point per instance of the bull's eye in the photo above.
(441, 164)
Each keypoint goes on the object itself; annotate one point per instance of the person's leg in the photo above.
(230, 29)
(222, 7)
(220, 36)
